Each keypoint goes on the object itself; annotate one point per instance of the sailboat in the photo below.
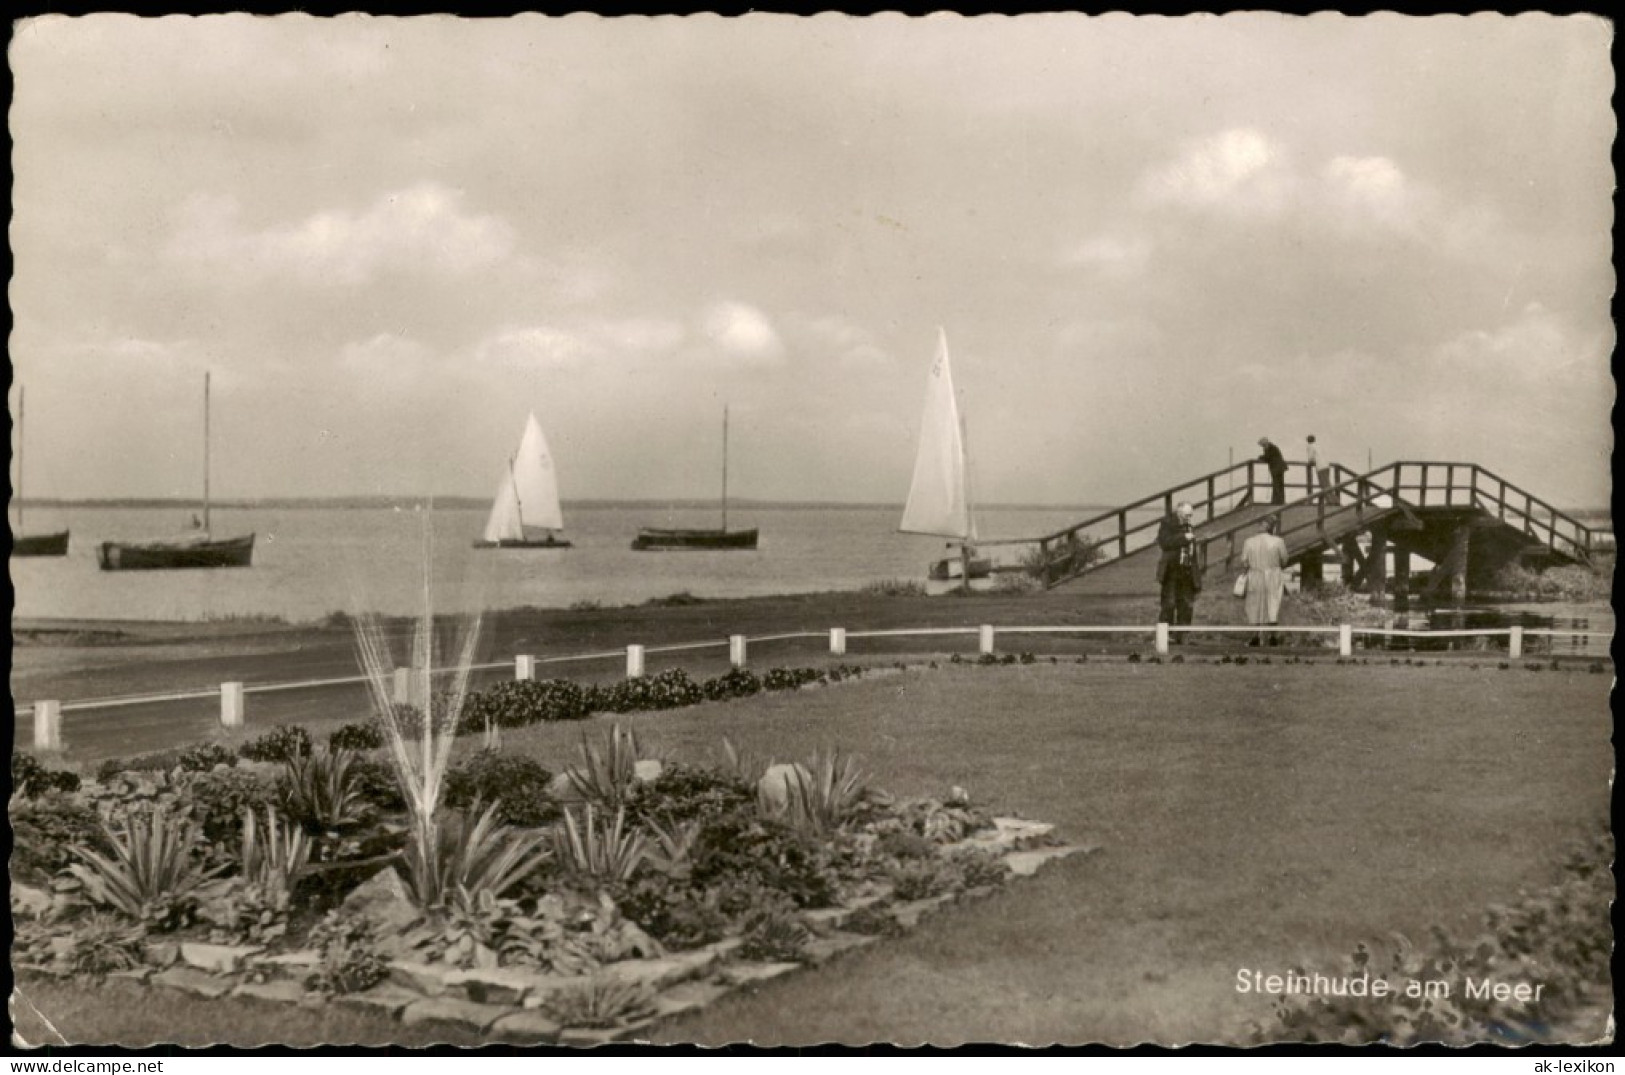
(525, 513)
(651, 538)
(203, 550)
(31, 544)
(939, 496)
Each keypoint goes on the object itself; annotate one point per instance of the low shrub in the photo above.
(377, 785)
(357, 737)
(774, 937)
(218, 799)
(674, 912)
(348, 950)
(31, 780)
(99, 944)
(44, 832)
(743, 847)
(893, 588)
(598, 1003)
(282, 743)
(735, 683)
(789, 679)
(202, 757)
(671, 689)
(920, 879)
(684, 793)
(516, 783)
(521, 702)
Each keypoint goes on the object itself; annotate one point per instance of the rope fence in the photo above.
(47, 714)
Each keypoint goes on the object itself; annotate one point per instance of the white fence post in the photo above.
(402, 692)
(837, 641)
(1162, 638)
(736, 650)
(634, 662)
(524, 666)
(986, 638)
(231, 705)
(1345, 640)
(1515, 643)
(47, 725)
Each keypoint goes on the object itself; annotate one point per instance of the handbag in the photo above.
(1240, 589)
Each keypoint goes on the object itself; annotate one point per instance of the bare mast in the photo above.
(205, 453)
(724, 468)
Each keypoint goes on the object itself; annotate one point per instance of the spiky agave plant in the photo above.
(420, 761)
(823, 793)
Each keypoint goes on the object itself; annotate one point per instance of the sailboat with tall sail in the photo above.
(31, 544)
(201, 550)
(655, 539)
(525, 513)
(939, 496)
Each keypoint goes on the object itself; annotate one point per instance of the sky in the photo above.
(1149, 242)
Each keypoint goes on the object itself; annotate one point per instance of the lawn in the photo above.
(1261, 816)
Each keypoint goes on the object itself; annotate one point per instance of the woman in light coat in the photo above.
(1264, 555)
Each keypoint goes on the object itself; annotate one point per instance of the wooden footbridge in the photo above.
(1465, 520)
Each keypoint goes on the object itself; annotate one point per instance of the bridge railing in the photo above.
(1114, 534)
(1068, 553)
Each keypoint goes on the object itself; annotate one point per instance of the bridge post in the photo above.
(736, 650)
(231, 705)
(1313, 575)
(837, 641)
(524, 666)
(47, 726)
(1402, 575)
(1376, 565)
(1345, 640)
(1515, 643)
(1460, 548)
(634, 662)
(985, 638)
(1162, 638)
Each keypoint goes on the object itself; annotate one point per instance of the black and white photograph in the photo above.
(576, 532)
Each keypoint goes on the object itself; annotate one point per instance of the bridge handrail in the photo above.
(1366, 490)
(1236, 496)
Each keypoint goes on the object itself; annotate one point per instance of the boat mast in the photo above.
(205, 453)
(724, 468)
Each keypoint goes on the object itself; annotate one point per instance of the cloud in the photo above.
(1118, 256)
(533, 347)
(1239, 169)
(836, 339)
(385, 355)
(742, 335)
(420, 229)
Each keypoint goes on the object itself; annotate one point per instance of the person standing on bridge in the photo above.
(1322, 468)
(1178, 572)
(1265, 557)
(1276, 462)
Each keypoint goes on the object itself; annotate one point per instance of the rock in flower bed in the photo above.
(652, 894)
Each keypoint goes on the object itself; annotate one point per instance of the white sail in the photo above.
(938, 503)
(527, 500)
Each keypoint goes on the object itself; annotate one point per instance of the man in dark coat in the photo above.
(1273, 459)
(1178, 573)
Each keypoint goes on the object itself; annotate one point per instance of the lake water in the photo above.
(310, 562)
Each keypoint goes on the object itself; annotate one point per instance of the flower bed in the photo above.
(574, 908)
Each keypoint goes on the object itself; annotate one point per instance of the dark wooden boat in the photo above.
(549, 542)
(40, 544)
(162, 555)
(655, 539)
(31, 544)
(202, 550)
(650, 538)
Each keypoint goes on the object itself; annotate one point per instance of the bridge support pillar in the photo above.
(1402, 577)
(1460, 546)
(1313, 573)
(1376, 566)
